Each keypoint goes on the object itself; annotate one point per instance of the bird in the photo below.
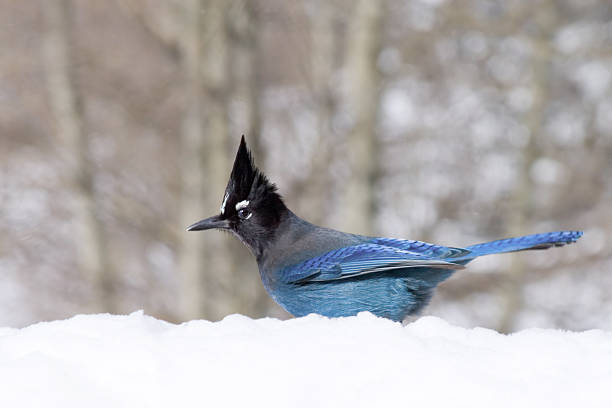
(308, 269)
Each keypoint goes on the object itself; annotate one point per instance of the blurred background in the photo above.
(453, 122)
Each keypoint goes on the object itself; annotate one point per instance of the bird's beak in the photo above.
(209, 223)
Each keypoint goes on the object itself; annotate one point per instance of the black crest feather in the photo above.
(247, 182)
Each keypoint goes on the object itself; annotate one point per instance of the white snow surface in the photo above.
(361, 361)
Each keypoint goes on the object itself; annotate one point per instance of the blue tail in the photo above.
(536, 241)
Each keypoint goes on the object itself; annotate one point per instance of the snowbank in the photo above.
(363, 361)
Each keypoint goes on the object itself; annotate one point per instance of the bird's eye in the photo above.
(244, 214)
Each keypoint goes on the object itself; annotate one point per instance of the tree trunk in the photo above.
(67, 107)
(192, 207)
(203, 259)
(246, 71)
(322, 70)
(363, 100)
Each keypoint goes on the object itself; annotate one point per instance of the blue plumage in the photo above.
(388, 277)
(310, 269)
(358, 260)
(535, 241)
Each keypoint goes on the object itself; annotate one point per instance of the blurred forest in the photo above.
(449, 121)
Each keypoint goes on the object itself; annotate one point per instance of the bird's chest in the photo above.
(381, 295)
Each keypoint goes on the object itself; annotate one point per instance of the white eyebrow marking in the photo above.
(242, 205)
(224, 202)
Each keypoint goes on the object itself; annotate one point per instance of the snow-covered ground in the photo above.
(363, 361)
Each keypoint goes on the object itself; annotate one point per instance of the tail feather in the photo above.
(535, 241)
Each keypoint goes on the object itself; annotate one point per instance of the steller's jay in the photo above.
(310, 269)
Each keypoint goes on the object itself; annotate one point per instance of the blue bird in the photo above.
(310, 269)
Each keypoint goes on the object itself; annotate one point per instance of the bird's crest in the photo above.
(247, 185)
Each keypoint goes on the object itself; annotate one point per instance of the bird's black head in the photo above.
(251, 207)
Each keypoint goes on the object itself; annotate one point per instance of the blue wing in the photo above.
(424, 248)
(367, 258)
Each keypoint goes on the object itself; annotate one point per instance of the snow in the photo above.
(362, 361)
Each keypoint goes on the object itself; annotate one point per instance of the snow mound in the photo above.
(362, 361)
